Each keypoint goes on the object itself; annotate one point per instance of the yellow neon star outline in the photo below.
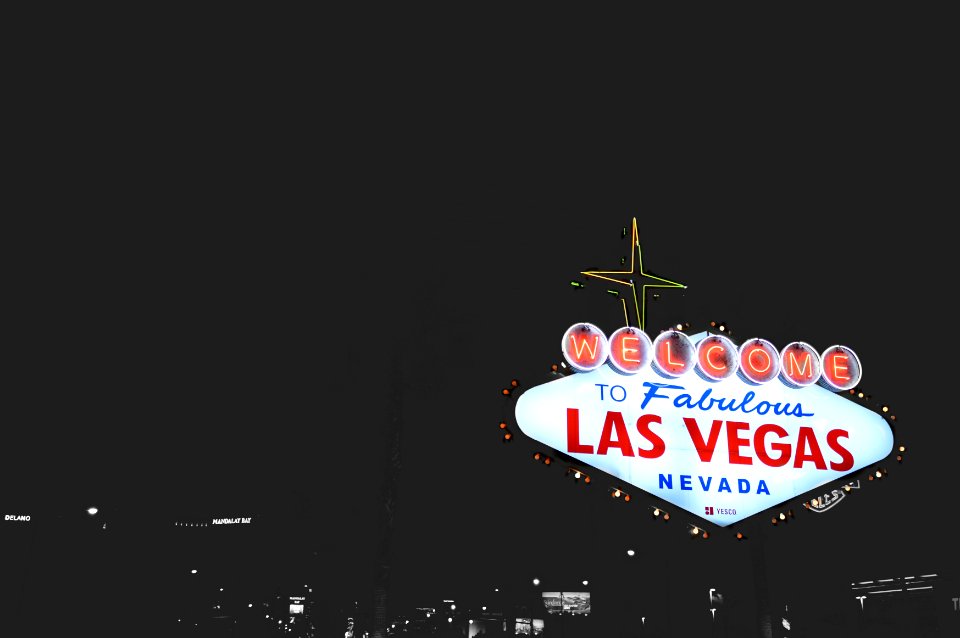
(636, 257)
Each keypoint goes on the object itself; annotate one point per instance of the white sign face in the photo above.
(720, 449)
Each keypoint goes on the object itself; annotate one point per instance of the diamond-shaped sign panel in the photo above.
(722, 450)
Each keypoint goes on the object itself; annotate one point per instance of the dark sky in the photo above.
(220, 342)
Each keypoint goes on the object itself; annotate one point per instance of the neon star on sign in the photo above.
(721, 430)
(631, 277)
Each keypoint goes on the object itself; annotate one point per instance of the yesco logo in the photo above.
(694, 419)
(16, 517)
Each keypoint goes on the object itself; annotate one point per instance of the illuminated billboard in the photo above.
(552, 602)
(577, 602)
(556, 602)
(296, 605)
(720, 430)
(524, 627)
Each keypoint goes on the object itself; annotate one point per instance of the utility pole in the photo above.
(759, 561)
(388, 500)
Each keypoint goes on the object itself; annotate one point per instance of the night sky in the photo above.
(221, 345)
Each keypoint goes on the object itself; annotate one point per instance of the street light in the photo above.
(711, 595)
(860, 598)
(536, 581)
(92, 511)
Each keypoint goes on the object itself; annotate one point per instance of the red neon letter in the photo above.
(579, 347)
(670, 361)
(709, 360)
(805, 440)
(634, 341)
(760, 445)
(792, 363)
(573, 433)
(837, 367)
(704, 449)
(847, 461)
(734, 443)
(629, 350)
(615, 420)
(766, 357)
(643, 426)
(841, 367)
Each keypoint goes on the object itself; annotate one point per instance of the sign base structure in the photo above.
(722, 449)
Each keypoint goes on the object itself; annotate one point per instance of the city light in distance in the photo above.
(586, 582)
(630, 552)
(92, 511)
(536, 581)
(193, 571)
